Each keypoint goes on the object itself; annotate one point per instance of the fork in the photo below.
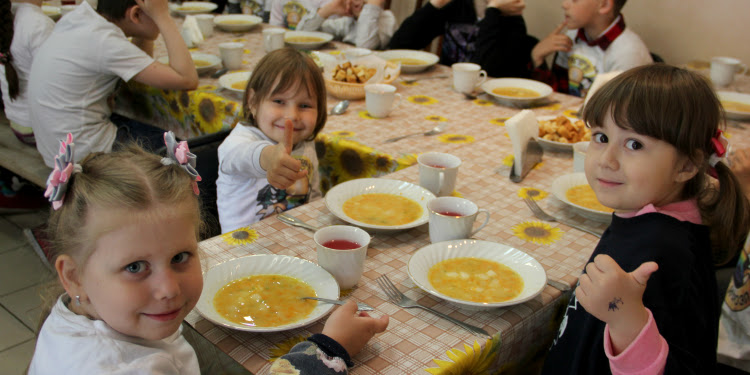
(540, 214)
(436, 130)
(412, 80)
(400, 299)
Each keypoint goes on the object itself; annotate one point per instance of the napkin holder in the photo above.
(532, 157)
(190, 32)
(522, 128)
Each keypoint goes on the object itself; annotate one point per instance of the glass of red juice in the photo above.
(342, 250)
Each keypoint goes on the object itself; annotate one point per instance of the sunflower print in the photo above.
(474, 359)
(422, 99)
(348, 160)
(456, 138)
(457, 194)
(239, 40)
(409, 83)
(344, 133)
(551, 107)
(209, 111)
(406, 161)
(499, 121)
(246, 51)
(537, 232)
(334, 52)
(436, 118)
(482, 102)
(240, 236)
(384, 163)
(571, 113)
(508, 160)
(207, 87)
(532, 193)
(283, 347)
(366, 115)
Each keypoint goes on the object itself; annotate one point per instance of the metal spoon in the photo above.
(436, 130)
(293, 221)
(412, 80)
(340, 107)
(361, 306)
(219, 73)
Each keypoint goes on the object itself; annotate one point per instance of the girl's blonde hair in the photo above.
(129, 179)
(680, 107)
(291, 68)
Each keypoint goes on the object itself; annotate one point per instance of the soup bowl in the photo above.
(560, 187)
(306, 39)
(542, 89)
(419, 60)
(237, 22)
(230, 80)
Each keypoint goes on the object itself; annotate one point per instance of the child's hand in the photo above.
(616, 297)
(556, 41)
(508, 7)
(739, 161)
(439, 3)
(335, 7)
(353, 329)
(154, 8)
(282, 170)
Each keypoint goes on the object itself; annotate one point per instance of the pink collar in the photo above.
(683, 211)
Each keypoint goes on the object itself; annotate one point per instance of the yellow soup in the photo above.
(265, 300)
(235, 22)
(583, 195)
(303, 39)
(475, 280)
(408, 61)
(516, 92)
(201, 63)
(239, 85)
(382, 209)
(735, 106)
(191, 8)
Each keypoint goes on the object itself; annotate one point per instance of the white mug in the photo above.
(346, 266)
(467, 76)
(206, 24)
(579, 156)
(273, 39)
(379, 99)
(452, 218)
(723, 70)
(437, 172)
(231, 54)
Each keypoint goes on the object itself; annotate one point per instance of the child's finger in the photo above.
(288, 136)
(560, 27)
(644, 271)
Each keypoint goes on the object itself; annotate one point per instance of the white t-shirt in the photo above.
(31, 27)
(73, 74)
(584, 62)
(69, 343)
(244, 195)
(288, 13)
(373, 29)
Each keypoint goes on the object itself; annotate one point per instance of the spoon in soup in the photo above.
(361, 306)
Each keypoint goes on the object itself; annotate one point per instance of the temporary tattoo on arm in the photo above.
(613, 304)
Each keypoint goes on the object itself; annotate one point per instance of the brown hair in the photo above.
(285, 68)
(6, 38)
(114, 10)
(680, 107)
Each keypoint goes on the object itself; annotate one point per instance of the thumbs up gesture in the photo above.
(282, 170)
(556, 41)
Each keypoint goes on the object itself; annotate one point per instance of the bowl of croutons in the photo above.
(561, 132)
(347, 79)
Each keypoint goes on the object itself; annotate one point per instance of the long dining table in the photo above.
(353, 146)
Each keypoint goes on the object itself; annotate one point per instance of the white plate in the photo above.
(228, 79)
(562, 184)
(214, 61)
(534, 277)
(248, 22)
(543, 89)
(554, 146)
(340, 193)
(735, 97)
(430, 59)
(52, 12)
(195, 7)
(217, 277)
(324, 38)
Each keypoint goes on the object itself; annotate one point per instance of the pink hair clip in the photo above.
(178, 153)
(57, 182)
(720, 144)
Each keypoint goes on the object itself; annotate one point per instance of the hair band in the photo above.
(178, 153)
(57, 182)
(720, 144)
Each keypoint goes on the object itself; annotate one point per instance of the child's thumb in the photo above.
(644, 271)
(560, 27)
(288, 136)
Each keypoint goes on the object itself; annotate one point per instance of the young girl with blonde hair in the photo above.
(655, 141)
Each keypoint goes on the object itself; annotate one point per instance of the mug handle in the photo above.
(396, 100)
(482, 77)
(441, 179)
(742, 68)
(486, 220)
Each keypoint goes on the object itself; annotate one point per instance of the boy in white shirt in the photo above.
(288, 13)
(362, 23)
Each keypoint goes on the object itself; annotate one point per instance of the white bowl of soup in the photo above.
(236, 81)
(237, 22)
(477, 274)
(412, 61)
(379, 204)
(254, 288)
(736, 105)
(193, 7)
(307, 39)
(574, 190)
(517, 90)
(204, 62)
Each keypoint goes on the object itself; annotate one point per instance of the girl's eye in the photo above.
(633, 144)
(181, 257)
(600, 138)
(305, 106)
(136, 267)
(278, 101)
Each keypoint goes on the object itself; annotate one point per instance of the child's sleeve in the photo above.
(239, 155)
(311, 21)
(375, 27)
(319, 355)
(503, 46)
(647, 354)
(419, 29)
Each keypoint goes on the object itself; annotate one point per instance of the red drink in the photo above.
(450, 213)
(341, 245)
(435, 166)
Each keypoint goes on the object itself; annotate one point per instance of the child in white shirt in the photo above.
(362, 23)
(288, 13)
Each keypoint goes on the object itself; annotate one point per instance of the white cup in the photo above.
(231, 54)
(346, 266)
(723, 70)
(467, 76)
(579, 156)
(273, 39)
(379, 99)
(437, 172)
(353, 53)
(205, 24)
(452, 218)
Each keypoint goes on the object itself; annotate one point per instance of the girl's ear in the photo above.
(67, 272)
(134, 14)
(686, 169)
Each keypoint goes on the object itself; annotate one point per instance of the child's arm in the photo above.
(508, 7)
(369, 32)
(556, 41)
(616, 298)
(282, 170)
(421, 27)
(740, 163)
(314, 21)
(180, 73)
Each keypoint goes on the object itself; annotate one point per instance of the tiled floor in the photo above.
(22, 273)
